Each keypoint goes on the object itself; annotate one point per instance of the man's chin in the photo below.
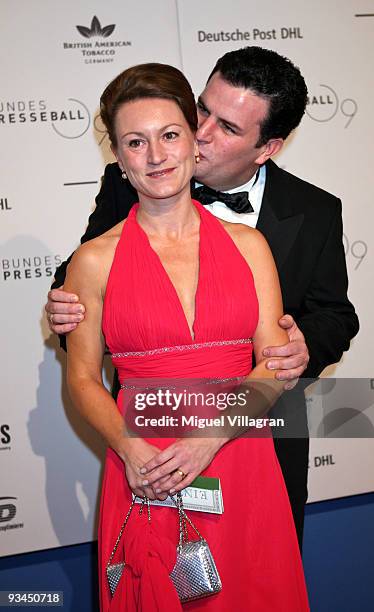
(201, 172)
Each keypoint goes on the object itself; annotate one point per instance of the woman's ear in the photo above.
(112, 148)
(196, 151)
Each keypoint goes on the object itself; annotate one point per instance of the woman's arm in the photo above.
(264, 389)
(87, 275)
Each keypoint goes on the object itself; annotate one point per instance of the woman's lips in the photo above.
(160, 173)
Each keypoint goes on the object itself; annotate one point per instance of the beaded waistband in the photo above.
(184, 347)
(209, 381)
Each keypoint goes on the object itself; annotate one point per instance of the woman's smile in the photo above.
(160, 173)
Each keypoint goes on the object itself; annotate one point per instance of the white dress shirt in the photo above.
(255, 190)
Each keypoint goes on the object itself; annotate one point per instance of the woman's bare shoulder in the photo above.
(114, 232)
(93, 259)
(99, 247)
(249, 240)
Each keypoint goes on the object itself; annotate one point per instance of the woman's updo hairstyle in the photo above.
(147, 81)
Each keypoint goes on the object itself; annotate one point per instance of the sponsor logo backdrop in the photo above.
(53, 151)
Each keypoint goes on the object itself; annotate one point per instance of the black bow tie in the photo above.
(238, 202)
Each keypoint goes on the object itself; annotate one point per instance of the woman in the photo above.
(174, 277)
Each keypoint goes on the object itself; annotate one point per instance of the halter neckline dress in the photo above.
(254, 541)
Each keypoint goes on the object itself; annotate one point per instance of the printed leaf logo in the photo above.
(96, 29)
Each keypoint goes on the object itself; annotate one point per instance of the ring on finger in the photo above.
(181, 474)
(50, 316)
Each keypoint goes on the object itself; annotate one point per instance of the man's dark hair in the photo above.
(272, 77)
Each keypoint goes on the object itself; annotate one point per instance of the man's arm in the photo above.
(329, 321)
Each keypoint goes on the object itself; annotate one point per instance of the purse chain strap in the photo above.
(144, 500)
(183, 520)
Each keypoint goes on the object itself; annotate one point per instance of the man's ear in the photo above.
(272, 147)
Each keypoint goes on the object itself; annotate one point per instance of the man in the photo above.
(253, 99)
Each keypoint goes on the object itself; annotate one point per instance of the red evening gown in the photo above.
(253, 542)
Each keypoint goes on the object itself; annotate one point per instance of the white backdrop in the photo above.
(52, 156)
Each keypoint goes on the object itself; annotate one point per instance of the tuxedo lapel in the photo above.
(278, 221)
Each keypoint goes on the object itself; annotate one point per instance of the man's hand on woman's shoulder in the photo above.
(292, 358)
(64, 311)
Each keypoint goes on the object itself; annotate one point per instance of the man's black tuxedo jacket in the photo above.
(303, 226)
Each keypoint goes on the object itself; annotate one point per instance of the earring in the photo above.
(197, 158)
(124, 175)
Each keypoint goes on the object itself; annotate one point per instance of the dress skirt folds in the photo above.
(254, 541)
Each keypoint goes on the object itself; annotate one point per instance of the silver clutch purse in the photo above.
(194, 575)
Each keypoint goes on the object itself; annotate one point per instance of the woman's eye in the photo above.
(134, 143)
(170, 135)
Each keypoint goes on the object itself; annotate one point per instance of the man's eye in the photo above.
(171, 135)
(228, 128)
(201, 108)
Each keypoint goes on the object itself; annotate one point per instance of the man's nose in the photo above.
(205, 129)
(156, 153)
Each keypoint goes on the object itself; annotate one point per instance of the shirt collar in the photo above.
(255, 188)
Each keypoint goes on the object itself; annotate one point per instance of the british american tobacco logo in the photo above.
(96, 29)
(96, 49)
